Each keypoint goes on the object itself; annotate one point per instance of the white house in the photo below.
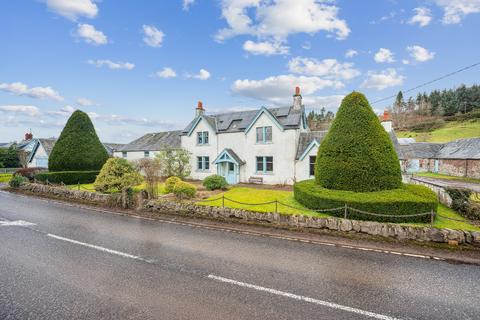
(268, 145)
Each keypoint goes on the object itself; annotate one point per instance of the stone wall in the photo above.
(460, 168)
(65, 193)
(442, 194)
(392, 230)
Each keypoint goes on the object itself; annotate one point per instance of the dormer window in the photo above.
(264, 134)
(202, 137)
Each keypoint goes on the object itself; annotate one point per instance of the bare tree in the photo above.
(150, 168)
(23, 158)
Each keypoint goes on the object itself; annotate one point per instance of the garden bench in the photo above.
(255, 180)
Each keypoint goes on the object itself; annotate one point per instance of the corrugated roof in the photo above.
(156, 141)
(239, 121)
(306, 138)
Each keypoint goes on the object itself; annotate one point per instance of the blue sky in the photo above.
(139, 66)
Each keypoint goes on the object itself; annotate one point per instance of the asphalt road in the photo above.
(63, 262)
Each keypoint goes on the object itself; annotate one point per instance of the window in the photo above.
(146, 154)
(202, 137)
(124, 154)
(203, 163)
(231, 167)
(264, 164)
(264, 134)
(313, 159)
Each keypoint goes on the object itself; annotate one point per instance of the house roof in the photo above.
(112, 147)
(460, 149)
(239, 121)
(306, 138)
(47, 144)
(156, 141)
(232, 154)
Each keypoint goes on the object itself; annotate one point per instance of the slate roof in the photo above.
(235, 156)
(306, 138)
(239, 121)
(458, 149)
(156, 141)
(47, 144)
(461, 149)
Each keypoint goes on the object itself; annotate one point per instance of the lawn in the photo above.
(451, 131)
(89, 187)
(445, 177)
(253, 195)
(5, 177)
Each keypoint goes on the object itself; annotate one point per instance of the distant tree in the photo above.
(174, 162)
(9, 157)
(78, 147)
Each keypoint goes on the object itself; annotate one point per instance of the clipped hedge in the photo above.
(68, 177)
(170, 183)
(408, 199)
(357, 153)
(184, 190)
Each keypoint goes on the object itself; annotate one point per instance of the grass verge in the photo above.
(5, 177)
(446, 177)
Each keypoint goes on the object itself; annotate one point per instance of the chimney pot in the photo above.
(297, 99)
(297, 91)
(199, 111)
(200, 105)
(28, 136)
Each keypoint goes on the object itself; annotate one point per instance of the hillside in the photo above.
(452, 130)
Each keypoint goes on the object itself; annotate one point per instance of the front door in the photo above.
(228, 170)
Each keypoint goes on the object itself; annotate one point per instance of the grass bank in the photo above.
(450, 131)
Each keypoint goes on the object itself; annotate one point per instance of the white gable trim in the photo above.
(229, 156)
(312, 144)
(265, 111)
(196, 124)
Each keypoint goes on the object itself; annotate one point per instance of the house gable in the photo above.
(266, 112)
(312, 145)
(197, 121)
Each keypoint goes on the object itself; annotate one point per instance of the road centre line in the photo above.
(303, 298)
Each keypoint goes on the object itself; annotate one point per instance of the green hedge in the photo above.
(68, 177)
(408, 199)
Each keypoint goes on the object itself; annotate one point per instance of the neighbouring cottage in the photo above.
(456, 158)
(38, 150)
(149, 145)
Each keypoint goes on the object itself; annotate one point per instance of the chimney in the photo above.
(387, 121)
(28, 136)
(199, 111)
(297, 99)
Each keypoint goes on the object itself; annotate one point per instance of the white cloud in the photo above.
(279, 89)
(84, 102)
(112, 65)
(278, 19)
(382, 80)
(91, 35)
(420, 54)
(152, 36)
(72, 9)
(327, 68)
(265, 48)
(187, 4)
(31, 111)
(201, 75)
(384, 55)
(306, 45)
(423, 16)
(21, 89)
(63, 112)
(456, 10)
(351, 53)
(166, 73)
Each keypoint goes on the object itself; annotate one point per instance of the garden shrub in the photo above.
(184, 190)
(170, 183)
(215, 182)
(408, 199)
(17, 181)
(78, 147)
(67, 177)
(28, 173)
(117, 174)
(357, 153)
(463, 203)
(5, 177)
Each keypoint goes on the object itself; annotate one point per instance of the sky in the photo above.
(139, 66)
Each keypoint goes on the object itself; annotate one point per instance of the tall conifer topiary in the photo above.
(78, 147)
(357, 153)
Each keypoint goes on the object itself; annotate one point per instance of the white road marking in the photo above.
(303, 298)
(111, 251)
(17, 223)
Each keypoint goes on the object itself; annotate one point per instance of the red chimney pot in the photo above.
(200, 105)
(386, 115)
(297, 91)
(28, 136)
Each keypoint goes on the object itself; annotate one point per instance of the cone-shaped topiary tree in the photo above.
(357, 153)
(78, 147)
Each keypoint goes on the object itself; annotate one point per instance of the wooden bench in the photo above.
(255, 180)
